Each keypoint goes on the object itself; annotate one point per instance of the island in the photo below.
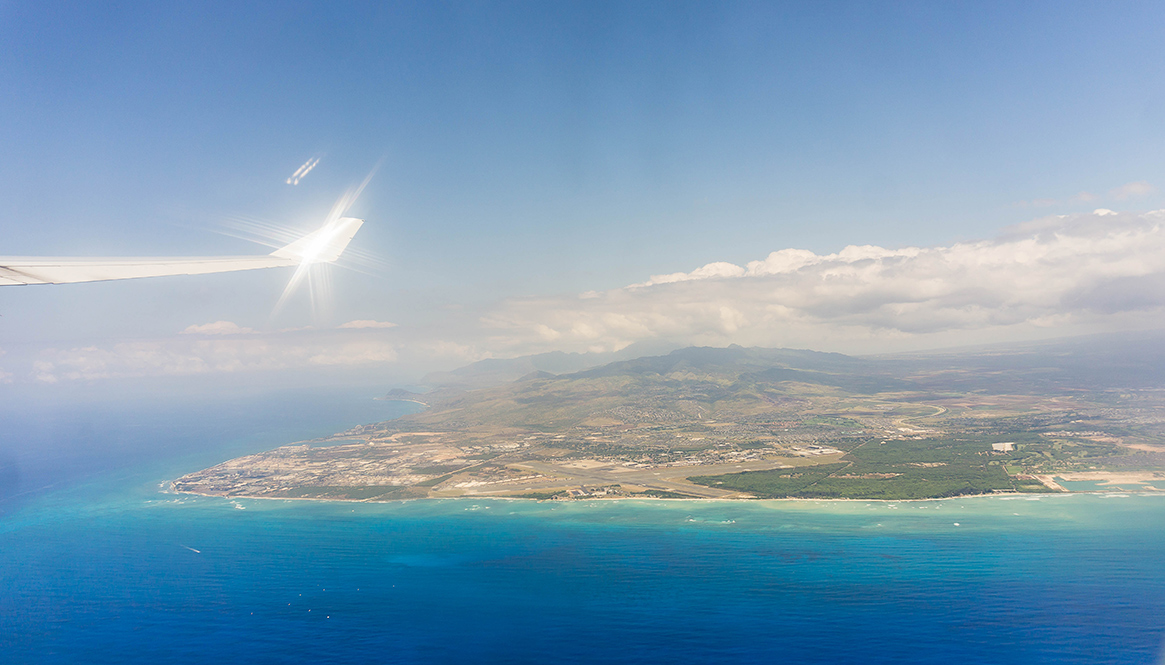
(742, 423)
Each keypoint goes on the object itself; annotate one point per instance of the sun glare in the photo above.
(315, 256)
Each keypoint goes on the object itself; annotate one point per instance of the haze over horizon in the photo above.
(578, 177)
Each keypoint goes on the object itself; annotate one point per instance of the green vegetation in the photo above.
(664, 494)
(894, 469)
(845, 481)
(539, 496)
(910, 483)
(778, 483)
(433, 482)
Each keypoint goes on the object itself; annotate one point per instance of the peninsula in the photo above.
(737, 423)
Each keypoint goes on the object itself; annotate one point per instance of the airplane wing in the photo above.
(322, 246)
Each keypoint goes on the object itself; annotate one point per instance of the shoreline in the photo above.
(1139, 492)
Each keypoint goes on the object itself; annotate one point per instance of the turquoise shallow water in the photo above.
(106, 570)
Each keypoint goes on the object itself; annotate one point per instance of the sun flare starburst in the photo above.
(315, 252)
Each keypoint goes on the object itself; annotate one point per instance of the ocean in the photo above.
(99, 565)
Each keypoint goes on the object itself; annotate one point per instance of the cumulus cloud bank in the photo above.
(1052, 272)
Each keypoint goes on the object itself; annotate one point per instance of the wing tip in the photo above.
(324, 245)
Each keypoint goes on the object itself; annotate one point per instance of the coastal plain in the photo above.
(739, 423)
(736, 423)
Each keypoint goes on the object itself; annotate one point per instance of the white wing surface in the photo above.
(322, 246)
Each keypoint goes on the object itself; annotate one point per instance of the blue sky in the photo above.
(530, 152)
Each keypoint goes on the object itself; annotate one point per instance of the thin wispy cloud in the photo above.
(217, 328)
(1127, 191)
(1131, 190)
(1124, 192)
(302, 171)
(366, 323)
(224, 355)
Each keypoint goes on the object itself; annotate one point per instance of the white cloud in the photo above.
(42, 371)
(1131, 190)
(365, 323)
(217, 328)
(719, 269)
(1052, 272)
(1083, 197)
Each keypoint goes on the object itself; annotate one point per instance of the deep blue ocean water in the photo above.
(99, 565)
